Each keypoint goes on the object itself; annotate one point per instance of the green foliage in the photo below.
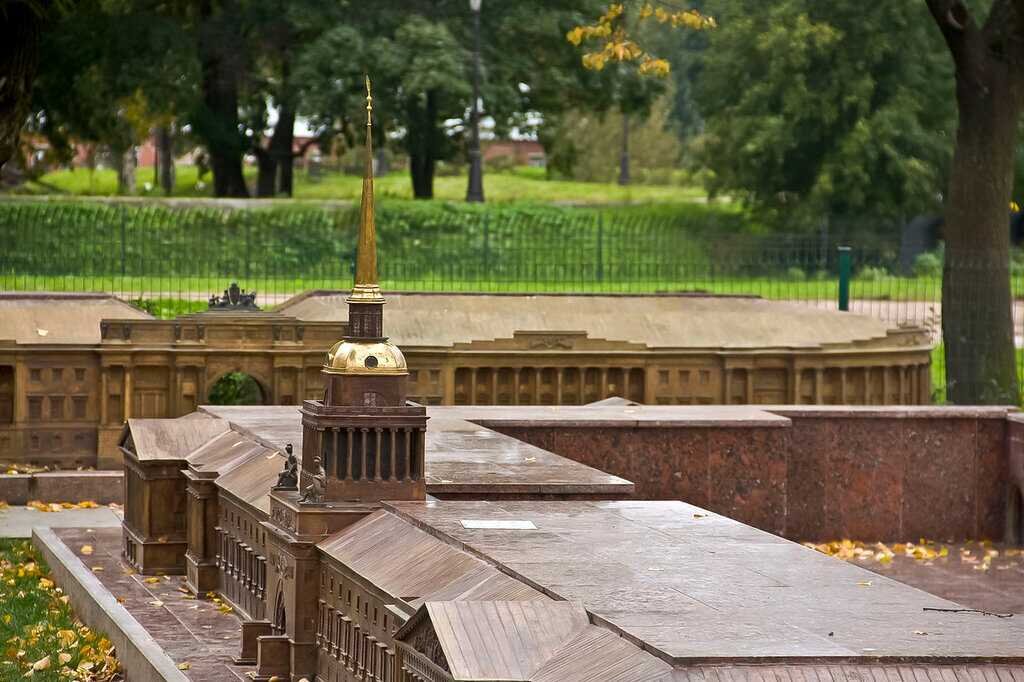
(236, 388)
(820, 108)
(928, 265)
(37, 627)
(872, 273)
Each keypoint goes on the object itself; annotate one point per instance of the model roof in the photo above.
(171, 439)
(461, 457)
(59, 318)
(689, 584)
(657, 321)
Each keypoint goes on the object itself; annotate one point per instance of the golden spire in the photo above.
(367, 289)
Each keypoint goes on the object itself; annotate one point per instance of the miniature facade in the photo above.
(64, 401)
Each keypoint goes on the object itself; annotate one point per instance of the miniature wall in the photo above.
(869, 473)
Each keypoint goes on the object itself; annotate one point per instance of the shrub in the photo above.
(795, 274)
(872, 273)
(928, 265)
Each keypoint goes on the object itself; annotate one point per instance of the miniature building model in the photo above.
(342, 570)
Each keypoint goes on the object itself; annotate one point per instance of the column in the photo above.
(902, 374)
(558, 385)
(377, 458)
(538, 372)
(842, 385)
(494, 385)
(448, 385)
(885, 386)
(795, 394)
(602, 393)
(625, 382)
(347, 473)
(362, 454)
(515, 385)
(127, 398)
(819, 396)
(472, 386)
(104, 397)
(727, 385)
(750, 385)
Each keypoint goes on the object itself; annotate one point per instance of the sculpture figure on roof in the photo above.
(288, 479)
(314, 492)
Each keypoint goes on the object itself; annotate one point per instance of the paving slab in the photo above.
(193, 632)
(18, 522)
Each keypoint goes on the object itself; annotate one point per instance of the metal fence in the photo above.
(170, 260)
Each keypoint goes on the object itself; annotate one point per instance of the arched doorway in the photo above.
(236, 388)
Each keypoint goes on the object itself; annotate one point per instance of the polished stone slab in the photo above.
(694, 586)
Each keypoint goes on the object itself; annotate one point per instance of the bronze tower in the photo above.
(369, 441)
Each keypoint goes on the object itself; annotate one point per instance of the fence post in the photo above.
(600, 247)
(844, 278)
(124, 246)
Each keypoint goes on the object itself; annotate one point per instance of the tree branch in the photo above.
(956, 23)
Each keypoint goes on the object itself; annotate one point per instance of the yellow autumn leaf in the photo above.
(151, 581)
(86, 550)
(184, 666)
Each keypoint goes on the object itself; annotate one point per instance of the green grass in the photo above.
(519, 184)
(37, 627)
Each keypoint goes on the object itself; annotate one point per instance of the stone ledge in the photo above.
(101, 487)
(140, 655)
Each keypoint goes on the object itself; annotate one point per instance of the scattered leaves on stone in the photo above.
(981, 555)
(40, 637)
(60, 506)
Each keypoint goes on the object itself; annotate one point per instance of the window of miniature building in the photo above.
(35, 407)
(56, 407)
(6, 394)
(35, 374)
(80, 374)
(79, 403)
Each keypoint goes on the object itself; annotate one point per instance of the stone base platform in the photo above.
(195, 632)
(107, 594)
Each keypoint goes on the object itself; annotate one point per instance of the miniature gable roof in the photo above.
(250, 480)
(397, 557)
(225, 452)
(169, 439)
(599, 654)
(498, 640)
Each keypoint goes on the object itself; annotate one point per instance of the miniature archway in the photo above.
(237, 388)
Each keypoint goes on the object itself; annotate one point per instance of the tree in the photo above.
(21, 27)
(819, 111)
(977, 324)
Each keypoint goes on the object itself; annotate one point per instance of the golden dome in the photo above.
(362, 357)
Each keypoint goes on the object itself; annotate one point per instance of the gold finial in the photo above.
(366, 289)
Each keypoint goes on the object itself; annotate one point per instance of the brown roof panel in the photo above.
(57, 318)
(224, 452)
(503, 640)
(171, 439)
(598, 654)
(661, 321)
(397, 557)
(250, 481)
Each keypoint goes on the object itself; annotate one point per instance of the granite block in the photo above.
(939, 479)
(806, 470)
(863, 484)
(991, 489)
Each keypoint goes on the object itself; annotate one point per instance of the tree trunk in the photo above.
(217, 123)
(165, 145)
(281, 149)
(624, 154)
(266, 173)
(19, 58)
(423, 146)
(124, 163)
(977, 320)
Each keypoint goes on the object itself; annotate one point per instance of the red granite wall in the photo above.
(870, 474)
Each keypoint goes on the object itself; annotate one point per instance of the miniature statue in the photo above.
(314, 492)
(288, 479)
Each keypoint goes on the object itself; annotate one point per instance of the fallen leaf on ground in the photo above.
(86, 550)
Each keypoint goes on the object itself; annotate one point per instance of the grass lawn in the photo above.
(519, 184)
(41, 637)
